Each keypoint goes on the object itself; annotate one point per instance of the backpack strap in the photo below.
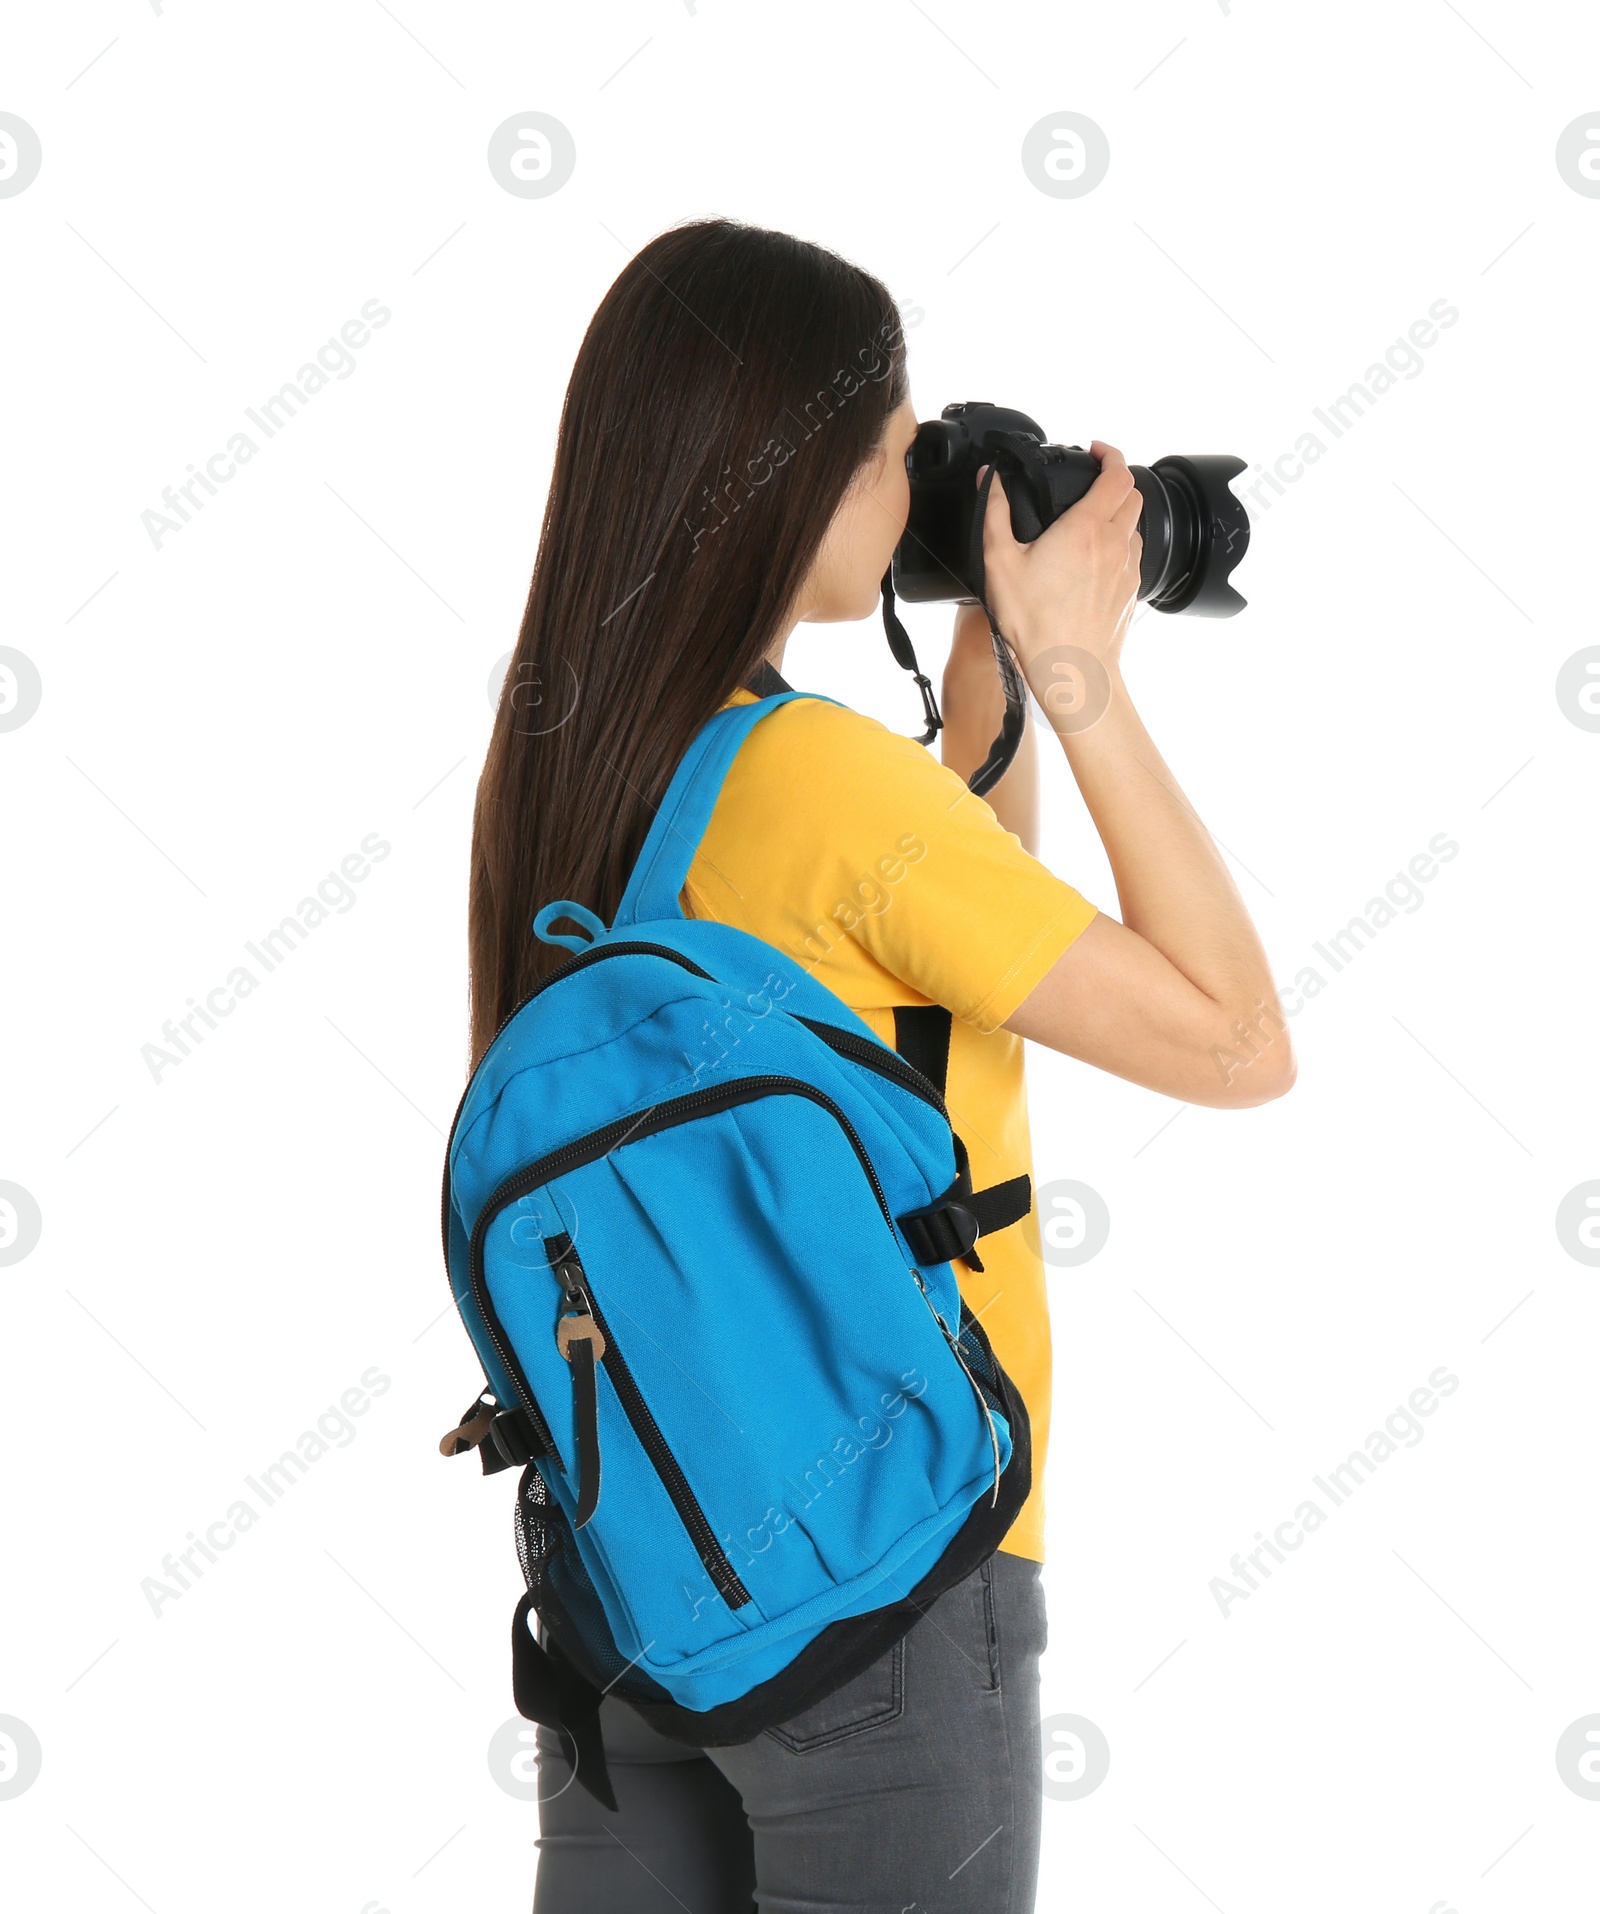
(549, 1690)
(922, 1037)
(680, 823)
(937, 1232)
(951, 1226)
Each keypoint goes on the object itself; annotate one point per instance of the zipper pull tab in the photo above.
(580, 1327)
(578, 1319)
(582, 1344)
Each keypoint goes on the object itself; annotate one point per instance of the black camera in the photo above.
(1194, 530)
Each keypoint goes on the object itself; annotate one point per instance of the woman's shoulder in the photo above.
(813, 733)
(827, 784)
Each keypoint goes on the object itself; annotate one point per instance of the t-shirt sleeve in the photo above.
(908, 863)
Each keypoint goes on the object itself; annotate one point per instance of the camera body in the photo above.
(1194, 529)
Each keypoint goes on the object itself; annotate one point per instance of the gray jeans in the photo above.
(915, 1786)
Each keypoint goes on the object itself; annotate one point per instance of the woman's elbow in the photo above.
(1248, 1079)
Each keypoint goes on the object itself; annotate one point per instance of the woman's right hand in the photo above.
(1078, 581)
(1179, 995)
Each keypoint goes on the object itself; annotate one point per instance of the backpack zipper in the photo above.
(871, 1055)
(882, 1061)
(583, 1344)
(588, 1149)
(666, 1116)
(725, 1579)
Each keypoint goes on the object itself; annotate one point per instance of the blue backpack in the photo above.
(699, 1222)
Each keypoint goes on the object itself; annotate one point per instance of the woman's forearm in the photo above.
(1178, 995)
(973, 703)
(1173, 887)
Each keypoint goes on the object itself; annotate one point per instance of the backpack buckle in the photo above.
(503, 1438)
(940, 1231)
(509, 1434)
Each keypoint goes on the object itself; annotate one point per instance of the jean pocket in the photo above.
(874, 1697)
(988, 1629)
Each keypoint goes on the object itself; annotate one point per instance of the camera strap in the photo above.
(1005, 746)
(906, 658)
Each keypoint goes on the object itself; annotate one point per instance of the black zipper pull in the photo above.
(582, 1343)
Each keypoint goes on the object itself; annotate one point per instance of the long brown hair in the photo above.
(730, 386)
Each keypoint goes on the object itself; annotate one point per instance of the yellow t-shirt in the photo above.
(856, 853)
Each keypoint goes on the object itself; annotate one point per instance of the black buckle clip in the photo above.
(509, 1433)
(940, 1231)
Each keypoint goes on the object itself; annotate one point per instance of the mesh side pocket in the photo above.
(536, 1537)
(570, 1613)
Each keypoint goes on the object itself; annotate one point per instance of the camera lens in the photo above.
(1195, 531)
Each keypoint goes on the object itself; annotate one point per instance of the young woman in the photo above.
(731, 462)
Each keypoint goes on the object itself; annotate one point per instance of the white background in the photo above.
(226, 1250)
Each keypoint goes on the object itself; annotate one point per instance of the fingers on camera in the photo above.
(1113, 488)
(997, 514)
